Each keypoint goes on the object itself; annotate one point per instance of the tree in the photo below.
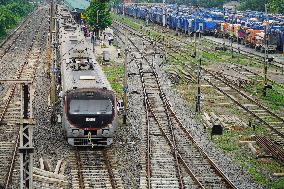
(276, 6)
(11, 11)
(255, 5)
(98, 9)
(8, 19)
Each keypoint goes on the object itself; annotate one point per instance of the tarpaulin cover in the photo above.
(210, 25)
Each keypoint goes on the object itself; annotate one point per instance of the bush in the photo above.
(11, 12)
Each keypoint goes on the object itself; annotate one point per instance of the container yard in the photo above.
(141, 95)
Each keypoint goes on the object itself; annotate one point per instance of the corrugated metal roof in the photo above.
(78, 5)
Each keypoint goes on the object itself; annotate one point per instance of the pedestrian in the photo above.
(118, 53)
(92, 38)
(109, 40)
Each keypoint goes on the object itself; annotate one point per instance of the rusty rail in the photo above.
(218, 171)
(12, 164)
(14, 31)
(148, 145)
(245, 108)
(79, 169)
(270, 147)
(172, 143)
(109, 169)
(239, 104)
(18, 75)
(10, 97)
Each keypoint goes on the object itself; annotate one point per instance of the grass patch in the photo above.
(278, 184)
(273, 99)
(114, 73)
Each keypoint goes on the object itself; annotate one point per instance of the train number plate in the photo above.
(90, 119)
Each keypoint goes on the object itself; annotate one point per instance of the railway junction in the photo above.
(136, 107)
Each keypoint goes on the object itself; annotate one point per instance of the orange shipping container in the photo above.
(251, 37)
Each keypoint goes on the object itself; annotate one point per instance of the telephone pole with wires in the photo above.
(125, 82)
(266, 53)
(198, 96)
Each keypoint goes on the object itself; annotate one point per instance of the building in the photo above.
(77, 5)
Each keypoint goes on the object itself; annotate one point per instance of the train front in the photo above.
(89, 116)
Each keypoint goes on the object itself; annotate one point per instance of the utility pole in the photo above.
(194, 55)
(198, 96)
(224, 45)
(98, 21)
(125, 82)
(53, 44)
(232, 35)
(164, 14)
(147, 18)
(266, 53)
(26, 147)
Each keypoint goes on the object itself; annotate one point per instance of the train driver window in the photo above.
(91, 107)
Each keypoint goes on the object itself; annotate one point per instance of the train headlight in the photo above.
(75, 132)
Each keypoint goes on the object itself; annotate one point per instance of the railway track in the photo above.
(250, 105)
(94, 168)
(16, 35)
(14, 50)
(10, 115)
(254, 57)
(173, 158)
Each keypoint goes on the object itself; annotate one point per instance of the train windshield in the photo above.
(94, 107)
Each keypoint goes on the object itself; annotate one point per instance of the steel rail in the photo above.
(256, 74)
(242, 106)
(109, 169)
(148, 145)
(188, 134)
(8, 179)
(244, 52)
(218, 76)
(18, 75)
(212, 42)
(79, 169)
(277, 152)
(238, 103)
(227, 180)
(12, 164)
(147, 107)
(24, 23)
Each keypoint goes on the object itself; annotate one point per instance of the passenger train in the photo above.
(88, 101)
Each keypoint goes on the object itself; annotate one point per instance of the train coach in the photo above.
(88, 102)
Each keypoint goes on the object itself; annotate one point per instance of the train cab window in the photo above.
(88, 107)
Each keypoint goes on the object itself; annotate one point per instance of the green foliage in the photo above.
(273, 99)
(102, 8)
(11, 12)
(115, 73)
(278, 184)
(276, 6)
(256, 5)
(214, 3)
